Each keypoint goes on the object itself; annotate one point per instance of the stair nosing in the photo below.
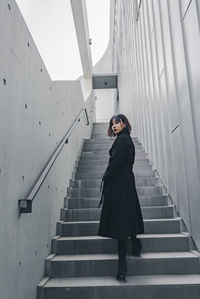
(145, 220)
(113, 256)
(96, 209)
(142, 236)
(133, 280)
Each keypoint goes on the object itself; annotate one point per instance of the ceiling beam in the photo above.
(81, 24)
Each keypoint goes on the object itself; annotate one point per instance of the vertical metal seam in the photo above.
(191, 104)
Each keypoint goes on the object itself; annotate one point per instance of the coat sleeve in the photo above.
(117, 158)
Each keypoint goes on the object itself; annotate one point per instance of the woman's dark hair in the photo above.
(118, 118)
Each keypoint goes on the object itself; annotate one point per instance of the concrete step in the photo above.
(104, 163)
(90, 156)
(137, 287)
(100, 245)
(104, 151)
(92, 183)
(99, 135)
(107, 140)
(106, 147)
(93, 214)
(92, 202)
(95, 192)
(101, 125)
(91, 265)
(100, 130)
(84, 265)
(106, 143)
(98, 168)
(90, 228)
(99, 174)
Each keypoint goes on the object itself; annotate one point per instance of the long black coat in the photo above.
(121, 214)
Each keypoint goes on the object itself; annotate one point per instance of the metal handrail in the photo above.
(25, 205)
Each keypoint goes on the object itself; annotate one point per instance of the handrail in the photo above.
(25, 205)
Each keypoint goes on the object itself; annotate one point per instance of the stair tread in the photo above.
(137, 150)
(96, 209)
(77, 247)
(149, 255)
(140, 196)
(181, 235)
(142, 280)
(97, 188)
(145, 220)
(99, 179)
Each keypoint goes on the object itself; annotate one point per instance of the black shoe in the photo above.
(121, 275)
(136, 247)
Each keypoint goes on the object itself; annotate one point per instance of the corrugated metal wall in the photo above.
(157, 48)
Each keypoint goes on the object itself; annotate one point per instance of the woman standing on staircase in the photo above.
(121, 216)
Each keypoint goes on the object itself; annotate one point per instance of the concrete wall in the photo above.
(35, 114)
(159, 84)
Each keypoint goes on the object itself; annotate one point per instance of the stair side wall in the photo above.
(35, 113)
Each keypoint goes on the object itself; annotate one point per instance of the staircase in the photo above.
(83, 265)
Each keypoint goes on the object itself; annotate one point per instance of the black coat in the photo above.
(121, 215)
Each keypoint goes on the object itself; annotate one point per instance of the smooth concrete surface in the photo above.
(160, 286)
(93, 214)
(95, 244)
(105, 265)
(152, 226)
(35, 114)
(144, 280)
(156, 58)
(94, 192)
(92, 202)
(96, 183)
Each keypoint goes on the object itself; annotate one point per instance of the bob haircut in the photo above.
(119, 118)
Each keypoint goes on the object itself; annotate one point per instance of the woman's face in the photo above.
(117, 126)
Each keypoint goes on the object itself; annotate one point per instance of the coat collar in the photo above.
(123, 132)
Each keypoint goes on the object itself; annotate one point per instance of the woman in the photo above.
(121, 216)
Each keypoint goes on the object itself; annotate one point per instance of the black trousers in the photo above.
(122, 249)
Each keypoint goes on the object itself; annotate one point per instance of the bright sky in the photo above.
(99, 26)
(51, 25)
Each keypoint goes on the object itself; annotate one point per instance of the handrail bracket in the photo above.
(25, 206)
